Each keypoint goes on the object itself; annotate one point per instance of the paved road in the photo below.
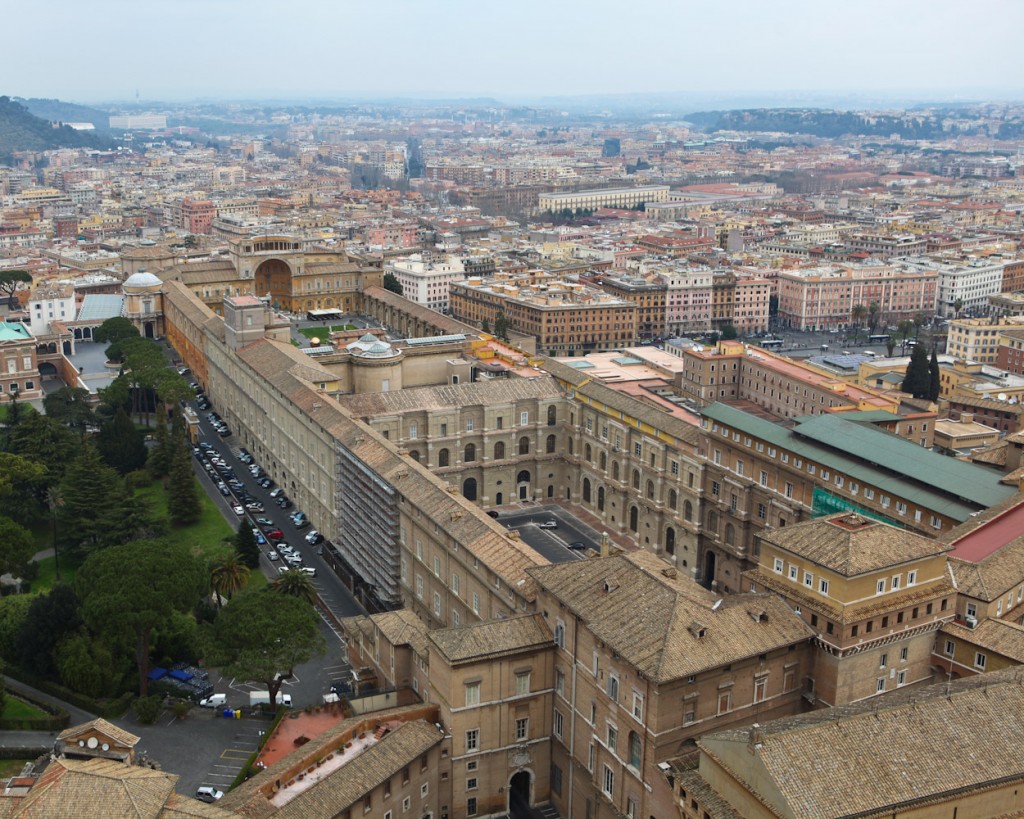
(552, 543)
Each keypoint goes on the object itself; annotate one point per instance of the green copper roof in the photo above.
(14, 331)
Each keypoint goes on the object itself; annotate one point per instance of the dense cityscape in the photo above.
(511, 455)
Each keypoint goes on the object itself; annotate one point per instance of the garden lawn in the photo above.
(206, 536)
(12, 767)
(322, 332)
(48, 574)
(19, 709)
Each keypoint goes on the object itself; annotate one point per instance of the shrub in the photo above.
(147, 709)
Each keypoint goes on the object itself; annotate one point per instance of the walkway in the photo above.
(36, 742)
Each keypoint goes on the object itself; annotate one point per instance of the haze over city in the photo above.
(309, 49)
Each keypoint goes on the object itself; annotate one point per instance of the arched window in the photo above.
(550, 444)
(604, 460)
(469, 489)
(570, 446)
(586, 490)
(615, 470)
(415, 455)
(634, 518)
(524, 446)
(688, 510)
(551, 416)
(650, 490)
(499, 451)
(713, 521)
(551, 490)
(673, 499)
(670, 540)
(634, 749)
(470, 453)
(588, 453)
(600, 498)
(442, 457)
(523, 476)
(636, 479)
(730, 534)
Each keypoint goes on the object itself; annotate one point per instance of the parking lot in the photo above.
(569, 539)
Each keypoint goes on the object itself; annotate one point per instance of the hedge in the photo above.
(247, 770)
(107, 708)
(57, 720)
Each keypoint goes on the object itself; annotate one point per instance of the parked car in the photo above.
(264, 521)
(208, 794)
(275, 534)
(265, 482)
(277, 492)
(272, 555)
(294, 559)
(214, 701)
(492, 514)
(254, 506)
(308, 570)
(314, 538)
(301, 523)
(224, 432)
(224, 490)
(548, 524)
(578, 545)
(284, 503)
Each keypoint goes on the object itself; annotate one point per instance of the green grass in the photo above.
(11, 767)
(19, 709)
(27, 409)
(205, 537)
(48, 574)
(321, 332)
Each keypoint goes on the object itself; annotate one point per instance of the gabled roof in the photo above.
(663, 623)
(480, 641)
(850, 544)
(99, 725)
(910, 747)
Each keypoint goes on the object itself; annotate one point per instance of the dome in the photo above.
(142, 279)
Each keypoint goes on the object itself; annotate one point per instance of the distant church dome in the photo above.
(370, 347)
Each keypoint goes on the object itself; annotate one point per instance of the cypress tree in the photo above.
(182, 491)
(917, 381)
(246, 547)
(934, 380)
(120, 444)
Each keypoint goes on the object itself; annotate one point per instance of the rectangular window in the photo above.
(613, 738)
(472, 694)
(896, 578)
(608, 782)
(904, 653)
(715, 487)
(560, 683)
(558, 723)
(522, 728)
(789, 490)
(524, 418)
(473, 740)
(762, 511)
(911, 578)
(471, 806)
(455, 584)
(724, 702)
(522, 683)
(437, 604)
(476, 603)
(778, 565)
(793, 573)
(437, 567)
(764, 478)
(823, 586)
(950, 648)
(559, 630)
(638, 706)
(979, 660)
(808, 580)
(880, 684)
(880, 587)
(419, 587)
(613, 687)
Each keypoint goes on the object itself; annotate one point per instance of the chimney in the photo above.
(605, 540)
(966, 417)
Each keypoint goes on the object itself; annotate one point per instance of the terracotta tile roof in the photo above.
(667, 626)
(480, 393)
(494, 638)
(102, 726)
(851, 545)
(1000, 636)
(923, 744)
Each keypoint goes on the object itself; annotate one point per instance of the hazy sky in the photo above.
(183, 49)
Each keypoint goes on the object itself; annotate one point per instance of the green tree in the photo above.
(857, 314)
(87, 665)
(246, 547)
(13, 613)
(10, 279)
(729, 333)
(501, 326)
(228, 575)
(182, 491)
(130, 589)
(266, 635)
(161, 454)
(958, 305)
(47, 442)
(96, 509)
(920, 320)
(391, 283)
(70, 405)
(51, 617)
(16, 547)
(115, 329)
(874, 311)
(934, 377)
(295, 583)
(21, 484)
(485, 326)
(916, 382)
(120, 444)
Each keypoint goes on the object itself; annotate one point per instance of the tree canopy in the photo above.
(130, 589)
(95, 510)
(917, 381)
(10, 279)
(391, 283)
(115, 329)
(266, 635)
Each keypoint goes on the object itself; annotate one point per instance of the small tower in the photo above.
(245, 319)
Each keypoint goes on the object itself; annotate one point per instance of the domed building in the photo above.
(143, 303)
(376, 365)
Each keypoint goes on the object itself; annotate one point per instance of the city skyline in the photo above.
(447, 48)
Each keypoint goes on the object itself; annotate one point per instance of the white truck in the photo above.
(263, 698)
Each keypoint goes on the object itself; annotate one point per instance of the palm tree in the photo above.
(228, 575)
(958, 305)
(857, 313)
(295, 583)
(873, 310)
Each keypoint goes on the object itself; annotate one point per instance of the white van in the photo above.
(214, 701)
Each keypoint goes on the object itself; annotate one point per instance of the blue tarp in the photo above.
(157, 673)
(184, 676)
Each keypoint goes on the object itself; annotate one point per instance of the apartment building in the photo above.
(565, 318)
(20, 374)
(978, 339)
(1010, 350)
(649, 298)
(687, 299)
(964, 284)
(823, 298)
(426, 279)
(631, 691)
(874, 594)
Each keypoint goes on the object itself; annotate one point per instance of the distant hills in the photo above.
(21, 131)
(821, 123)
(60, 111)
